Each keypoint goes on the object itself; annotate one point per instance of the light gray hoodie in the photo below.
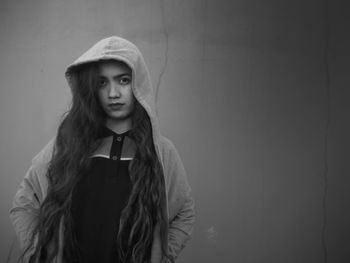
(179, 204)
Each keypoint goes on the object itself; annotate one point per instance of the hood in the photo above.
(123, 50)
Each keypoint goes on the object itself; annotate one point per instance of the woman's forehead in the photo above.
(113, 66)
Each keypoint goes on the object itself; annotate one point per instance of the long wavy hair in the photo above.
(77, 138)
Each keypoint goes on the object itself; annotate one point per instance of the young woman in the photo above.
(108, 187)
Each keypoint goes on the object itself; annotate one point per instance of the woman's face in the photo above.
(114, 91)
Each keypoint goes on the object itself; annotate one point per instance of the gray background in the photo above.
(243, 95)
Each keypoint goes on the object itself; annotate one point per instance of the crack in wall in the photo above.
(166, 34)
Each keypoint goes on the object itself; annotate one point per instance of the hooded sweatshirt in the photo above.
(178, 204)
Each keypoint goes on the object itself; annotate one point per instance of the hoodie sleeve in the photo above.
(180, 202)
(27, 200)
(25, 207)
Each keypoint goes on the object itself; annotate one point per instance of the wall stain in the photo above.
(212, 235)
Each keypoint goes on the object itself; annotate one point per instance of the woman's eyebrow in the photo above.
(124, 74)
(117, 76)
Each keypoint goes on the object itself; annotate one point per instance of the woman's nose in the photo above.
(114, 91)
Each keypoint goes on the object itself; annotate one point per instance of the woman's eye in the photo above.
(124, 80)
(102, 83)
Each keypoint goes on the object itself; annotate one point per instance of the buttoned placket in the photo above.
(115, 154)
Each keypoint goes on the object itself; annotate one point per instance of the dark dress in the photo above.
(99, 198)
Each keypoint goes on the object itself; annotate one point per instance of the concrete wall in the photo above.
(244, 97)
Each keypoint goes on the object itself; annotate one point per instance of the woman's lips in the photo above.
(115, 106)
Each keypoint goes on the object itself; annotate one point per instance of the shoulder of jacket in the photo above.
(166, 142)
(166, 145)
(45, 155)
(170, 155)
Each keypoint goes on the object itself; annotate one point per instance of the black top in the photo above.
(98, 201)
